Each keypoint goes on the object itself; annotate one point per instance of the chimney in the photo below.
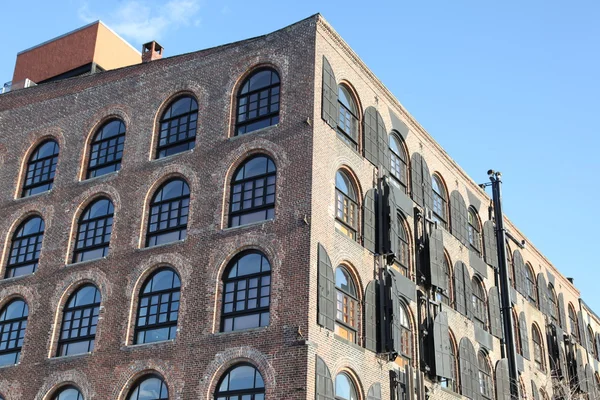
(151, 51)
(571, 280)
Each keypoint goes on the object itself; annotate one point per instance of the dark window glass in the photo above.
(258, 102)
(94, 231)
(592, 342)
(485, 377)
(538, 352)
(346, 214)
(150, 388)
(531, 287)
(107, 149)
(348, 119)
(444, 297)
(406, 342)
(242, 382)
(80, 319)
(399, 163)
(439, 201)
(25, 248)
(344, 388)
(68, 393)
(517, 334)
(452, 384)
(553, 303)
(573, 323)
(158, 308)
(479, 304)
(13, 321)
(178, 127)
(169, 213)
(403, 260)
(346, 320)
(474, 231)
(246, 292)
(41, 168)
(253, 192)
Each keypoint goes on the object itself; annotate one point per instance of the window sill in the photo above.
(142, 345)
(70, 357)
(15, 278)
(34, 196)
(250, 225)
(96, 178)
(352, 344)
(9, 366)
(249, 330)
(78, 263)
(256, 132)
(167, 158)
(158, 246)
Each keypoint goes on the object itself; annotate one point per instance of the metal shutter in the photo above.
(396, 326)
(374, 392)
(458, 217)
(416, 178)
(495, 316)
(329, 106)
(326, 303)
(561, 312)
(502, 380)
(468, 369)
(562, 358)
(409, 376)
(324, 383)
(371, 316)
(581, 372)
(437, 272)
(427, 186)
(463, 293)
(590, 382)
(583, 333)
(441, 341)
(519, 270)
(523, 332)
(543, 294)
(534, 391)
(369, 232)
(392, 240)
(370, 136)
(383, 144)
(489, 244)
(598, 344)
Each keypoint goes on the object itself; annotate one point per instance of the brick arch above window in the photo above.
(58, 380)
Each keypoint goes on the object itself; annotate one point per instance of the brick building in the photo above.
(259, 220)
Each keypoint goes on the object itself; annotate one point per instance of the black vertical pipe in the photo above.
(511, 351)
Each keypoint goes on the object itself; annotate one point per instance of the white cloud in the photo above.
(142, 22)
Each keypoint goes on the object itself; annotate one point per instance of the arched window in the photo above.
(41, 168)
(158, 308)
(346, 320)
(474, 231)
(399, 162)
(68, 393)
(403, 260)
(452, 384)
(243, 381)
(106, 150)
(517, 333)
(445, 297)
(406, 341)
(344, 388)
(169, 210)
(246, 292)
(348, 117)
(479, 303)
(258, 102)
(80, 319)
(440, 201)
(530, 283)
(150, 387)
(553, 302)
(538, 351)
(94, 231)
(592, 340)
(13, 321)
(253, 191)
(486, 383)
(346, 205)
(178, 127)
(25, 248)
(573, 322)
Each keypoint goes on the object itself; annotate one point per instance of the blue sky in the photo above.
(511, 85)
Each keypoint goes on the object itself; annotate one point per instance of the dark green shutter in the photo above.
(562, 312)
(463, 295)
(523, 332)
(534, 391)
(326, 303)
(324, 383)
(502, 380)
(369, 232)
(489, 243)
(581, 372)
(542, 288)
(590, 381)
(583, 333)
(519, 269)
(394, 227)
(329, 107)
(458, 217)
(370, 136)
(495, 316)
(598, 344)
(396, 326)
(410, 382)
(562, 358)
(469, 369)
(420, 181)
(441, 342)
(374, 392)
(383, 144)
(427, 186)
(436, 255)
(371, 316)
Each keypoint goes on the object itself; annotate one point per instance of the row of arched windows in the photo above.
(252, 199)
(246, 300)
(242, 381)
(257, 107)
